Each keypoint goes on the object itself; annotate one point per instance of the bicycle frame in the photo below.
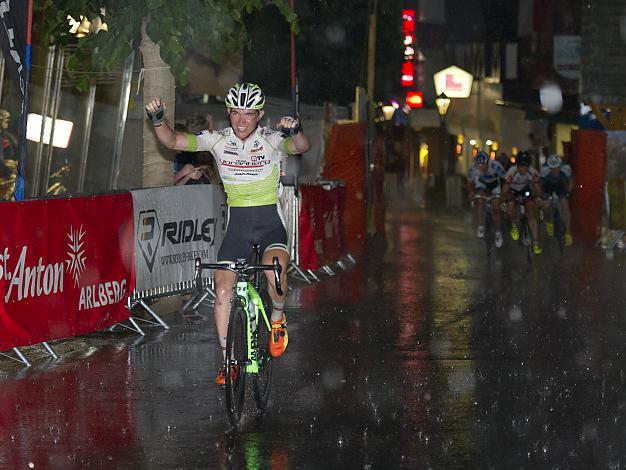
(246, 292)
(251, 300)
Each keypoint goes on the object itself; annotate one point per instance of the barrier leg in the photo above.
(20, 357)
(313, 275)
(191, 300)
(298, 270)
(50, 351)
(135, 326)
(158, 319)
(194, 302)
(207, 292)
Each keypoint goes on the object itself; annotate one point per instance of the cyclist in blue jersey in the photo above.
(249, 159)
(556, 178)
(484, 180)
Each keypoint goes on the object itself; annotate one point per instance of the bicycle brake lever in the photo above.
(278, 269)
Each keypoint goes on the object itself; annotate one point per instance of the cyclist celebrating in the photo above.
(484, 180)
(249, 161)
(522, 180)
(556, 178)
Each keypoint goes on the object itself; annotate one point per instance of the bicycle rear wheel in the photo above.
(236, 359)
(489, 232)
(526, 239)
(559, 229)
(262, 381)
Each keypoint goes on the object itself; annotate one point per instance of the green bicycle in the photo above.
(249, 328)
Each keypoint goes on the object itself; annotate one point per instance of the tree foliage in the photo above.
(213, 28)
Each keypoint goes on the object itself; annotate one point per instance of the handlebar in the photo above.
(487, 198)
(241, 268)
(522, 197)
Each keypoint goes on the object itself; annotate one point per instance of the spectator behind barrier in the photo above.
(195, 167)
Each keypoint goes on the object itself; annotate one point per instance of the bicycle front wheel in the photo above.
(263, 379)
(526, 239)
(236, 359)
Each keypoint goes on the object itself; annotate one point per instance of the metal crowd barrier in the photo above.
(142, 299)
(291, 208)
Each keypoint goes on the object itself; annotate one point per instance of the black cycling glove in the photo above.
(157, 116)
(291, 131)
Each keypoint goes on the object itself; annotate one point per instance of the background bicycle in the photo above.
(524, 228)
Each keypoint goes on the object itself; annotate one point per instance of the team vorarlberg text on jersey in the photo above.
(250, 170)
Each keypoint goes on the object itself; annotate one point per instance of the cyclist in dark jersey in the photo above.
(249, 159)
(556, 179)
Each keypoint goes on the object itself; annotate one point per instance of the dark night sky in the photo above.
(481, 20)
(331, 50)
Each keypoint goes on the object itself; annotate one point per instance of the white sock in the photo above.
(223, 346)
(277, 310)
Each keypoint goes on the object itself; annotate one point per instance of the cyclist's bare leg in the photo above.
(224, 283)
(513, 216)
(283, 259)
(531, 210)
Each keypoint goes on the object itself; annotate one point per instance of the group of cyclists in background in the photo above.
(511, 183)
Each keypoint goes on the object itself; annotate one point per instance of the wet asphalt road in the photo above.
(423, 355)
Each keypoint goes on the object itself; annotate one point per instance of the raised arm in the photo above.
(155, 109)
(299, 142)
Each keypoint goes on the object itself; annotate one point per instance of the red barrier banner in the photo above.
(321, 232)
(345, 160)
(66, 267)
(589, 168)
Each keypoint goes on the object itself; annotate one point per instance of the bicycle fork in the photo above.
(254, 308)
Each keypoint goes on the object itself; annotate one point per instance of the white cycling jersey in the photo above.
(493, 171)
(519, 181)
(251, 169)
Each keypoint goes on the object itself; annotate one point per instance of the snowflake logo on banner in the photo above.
(76, 260)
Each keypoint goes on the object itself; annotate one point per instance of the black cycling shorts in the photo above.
(249, 226)
(522, 191)
(558, 186)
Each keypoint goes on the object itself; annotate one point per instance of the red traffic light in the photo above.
(415, 99)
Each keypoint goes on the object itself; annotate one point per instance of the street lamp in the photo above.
(443, 103)
(447, 163)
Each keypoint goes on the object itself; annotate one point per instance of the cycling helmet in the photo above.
(522, 159)
(245, 96)
(554, 161)
(481, 157)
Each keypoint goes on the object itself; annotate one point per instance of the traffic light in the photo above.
(415, 99)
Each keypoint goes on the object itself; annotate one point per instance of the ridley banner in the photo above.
(173, 226)
(66, 267)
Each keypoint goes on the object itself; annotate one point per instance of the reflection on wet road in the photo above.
(424, 355)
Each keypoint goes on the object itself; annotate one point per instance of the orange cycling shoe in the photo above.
(221, 375)
(279, 337)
